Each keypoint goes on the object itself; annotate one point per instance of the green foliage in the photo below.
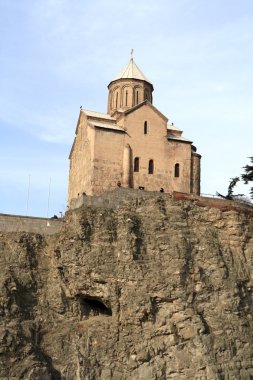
(231, 186)
(247, 176)
(229, 196)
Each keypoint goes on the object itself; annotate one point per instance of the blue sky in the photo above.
(56, 55)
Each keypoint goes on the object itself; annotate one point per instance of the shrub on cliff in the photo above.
(247, 176)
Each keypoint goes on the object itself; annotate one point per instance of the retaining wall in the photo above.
(221, 204)
(117, 197)
(18, 223)
(112, 199)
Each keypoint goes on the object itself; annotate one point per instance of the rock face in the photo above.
(153, 289)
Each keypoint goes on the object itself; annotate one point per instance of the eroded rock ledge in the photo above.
(155, 289)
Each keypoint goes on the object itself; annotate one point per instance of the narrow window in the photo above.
(117, 100)
(146, 95)
(136, 164)
(145, 128)
(176, 170)
(126, 97)
(137, 97)
(151, 167)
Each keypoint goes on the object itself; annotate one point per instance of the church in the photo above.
(133, 145)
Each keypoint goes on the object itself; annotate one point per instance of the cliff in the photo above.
(150, 288)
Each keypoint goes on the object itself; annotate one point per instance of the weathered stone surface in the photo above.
(155, 289)
(18, 223)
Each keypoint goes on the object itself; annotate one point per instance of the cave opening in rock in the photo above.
(91, 306)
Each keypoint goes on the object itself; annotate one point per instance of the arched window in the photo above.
(145, 128)
(136, 164)
(146, 95)
(117, 96)
(151, 167)
(126, 97)
(177, 170)
(137, 97)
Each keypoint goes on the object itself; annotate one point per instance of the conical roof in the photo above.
(131, 71)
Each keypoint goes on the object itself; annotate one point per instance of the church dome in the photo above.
(129, 88)
(131, 71)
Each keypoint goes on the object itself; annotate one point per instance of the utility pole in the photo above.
(48, 199)
(28, 195)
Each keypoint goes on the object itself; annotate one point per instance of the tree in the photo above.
(247, 176)
(231, 186)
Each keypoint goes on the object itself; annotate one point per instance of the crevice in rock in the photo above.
(62, 273)
(24, 297)
(206, 328)
(149, 315)
(245, 298)
(162, 205)
(92, 306)
(86, 229)
(137, 238)
(111, 229)
(186, 270)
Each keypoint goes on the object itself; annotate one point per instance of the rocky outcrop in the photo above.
(152, 289)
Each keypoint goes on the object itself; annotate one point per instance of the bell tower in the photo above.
(129, 88)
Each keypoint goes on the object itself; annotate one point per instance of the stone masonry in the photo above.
(19, 223)
(134, 144)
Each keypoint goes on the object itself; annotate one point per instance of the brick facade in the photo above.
(133, 143)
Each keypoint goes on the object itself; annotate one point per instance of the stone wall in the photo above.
(81, 159)
(108, 160)
(118, 90)
(121, 196)
(195, 173)
(116, 198)
(219, 203)
(102, 157)
(18, 223)
(155, 146)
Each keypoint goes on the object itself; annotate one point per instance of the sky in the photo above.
(58, 55)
